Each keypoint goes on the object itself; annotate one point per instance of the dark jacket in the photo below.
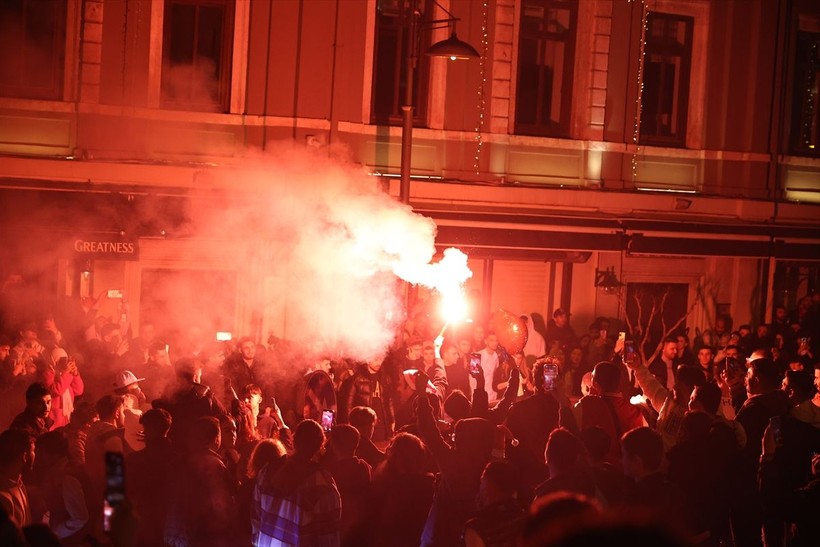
(457, 489)
(148, 483)
(190, 403)
(372, 390)
(400, 504)
(29, 422)
(203, 509)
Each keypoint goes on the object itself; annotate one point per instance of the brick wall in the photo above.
(91, 51)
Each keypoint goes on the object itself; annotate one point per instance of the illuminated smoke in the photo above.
(327, 244)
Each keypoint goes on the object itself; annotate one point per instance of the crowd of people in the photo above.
(442, 441)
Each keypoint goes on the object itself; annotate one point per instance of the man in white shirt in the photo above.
(489, 362)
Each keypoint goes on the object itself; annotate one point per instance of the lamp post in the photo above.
(451, 48)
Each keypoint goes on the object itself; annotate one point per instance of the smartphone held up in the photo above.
(475, 364)
(328, 417)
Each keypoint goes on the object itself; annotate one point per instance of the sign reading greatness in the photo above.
(106, 248)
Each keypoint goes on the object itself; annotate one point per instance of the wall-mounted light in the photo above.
(607, 281)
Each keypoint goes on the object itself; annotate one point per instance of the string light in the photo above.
(808, 118)
(479, 139)
(639, 98)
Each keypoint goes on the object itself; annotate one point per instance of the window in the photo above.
(805, 126)
(546, 60)
(389, 74)
(32, 35)
(667, 60)
(196, 55)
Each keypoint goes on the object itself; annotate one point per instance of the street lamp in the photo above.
(451, 48)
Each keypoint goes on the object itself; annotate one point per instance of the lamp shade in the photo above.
(453, 48)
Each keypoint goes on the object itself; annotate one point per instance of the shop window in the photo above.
(389, 74)
(666, 75)
(196, 55)
(32, 35)
(546, 61)
(805, 126)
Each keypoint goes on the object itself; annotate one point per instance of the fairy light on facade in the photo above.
(639, 98)
(479, 139)
(811, 92)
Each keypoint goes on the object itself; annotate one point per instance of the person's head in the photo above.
(252, 394)
(147, 332)
(817, 377)
(324, 364)
(264, 452)
(586, 384)
(576, 356)
(5, 348)
(126, 381)
(669, 350)
(344, 440)
(158, 353)
(642, 452)
(762, 376)
(228, 432)
(596, 441)
(59, 357)
(110, 409)
(682, 341)
(111, 335)
(38, 399)
(561, 317)
(705, 398)
(85, 413)
(375, 365)
(156, 423)
(780, 314)
(205, 434)
(705, 357)
(449, 354)
(478, 335)
(721, 326)
(405, 455)
(744, 330)
(474, 437)
(686, 380)
(798, 385)
(498, 482)
(308, 439)
(188, 370)
(762, 331)
(760, 353)
(464, 345)
(457, 405)
(28, 333)
(363, 418)
(16, 452)
(732, 351)
(564, 451)
(606, 377)
(428, 352)
(414, 348)
(247, 348)
(556, 515)
(491, 341)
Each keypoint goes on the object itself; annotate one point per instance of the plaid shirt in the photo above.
(296, 504)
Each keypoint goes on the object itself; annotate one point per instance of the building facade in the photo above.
(671, 142)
